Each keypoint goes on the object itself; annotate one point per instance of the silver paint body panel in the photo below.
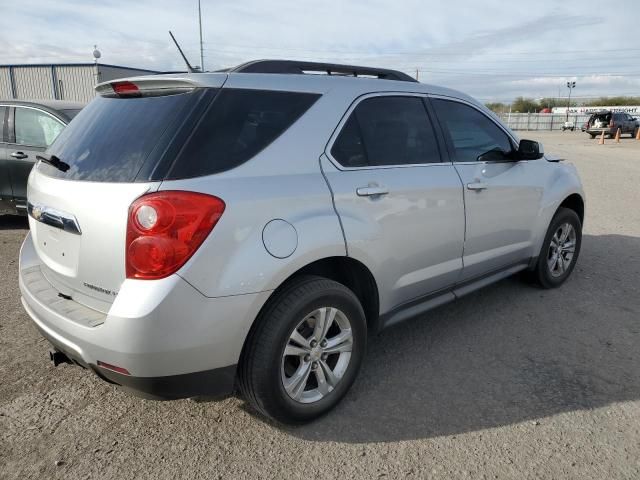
(428, 234)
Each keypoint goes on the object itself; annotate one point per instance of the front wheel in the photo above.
(305, 351)
(560, 249)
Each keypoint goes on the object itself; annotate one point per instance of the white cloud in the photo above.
(491, 49)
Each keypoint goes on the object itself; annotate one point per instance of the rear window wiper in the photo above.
(54, 162)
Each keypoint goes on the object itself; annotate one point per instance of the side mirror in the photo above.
(529, 150)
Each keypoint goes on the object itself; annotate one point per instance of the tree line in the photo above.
(526, 105)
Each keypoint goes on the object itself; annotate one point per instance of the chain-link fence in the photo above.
(541, 121)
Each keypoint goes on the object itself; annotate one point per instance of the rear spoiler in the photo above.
(151, 87)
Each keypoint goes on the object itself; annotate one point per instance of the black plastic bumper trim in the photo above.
(218, 382)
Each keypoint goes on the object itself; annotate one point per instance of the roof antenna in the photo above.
(189, 67)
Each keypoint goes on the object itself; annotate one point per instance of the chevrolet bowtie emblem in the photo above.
(36, 213)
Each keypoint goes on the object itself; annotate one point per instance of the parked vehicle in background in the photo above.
(609, 122)
(568, 126)
(27, 128)
(194, 233)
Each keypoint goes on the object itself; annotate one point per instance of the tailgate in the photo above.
(79, 232)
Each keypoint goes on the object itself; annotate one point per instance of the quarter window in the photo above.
(35, 128)
(239, 124)
(472, 135)
(384, 131)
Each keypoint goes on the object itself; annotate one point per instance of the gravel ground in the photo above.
(510, 382)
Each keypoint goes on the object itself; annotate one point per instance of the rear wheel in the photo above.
(592, 136)
(560, 249)
(305, 351)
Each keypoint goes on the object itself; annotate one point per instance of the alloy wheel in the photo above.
(317, 355)
(561, 250)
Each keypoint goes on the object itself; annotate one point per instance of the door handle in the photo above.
(371, 191)
(477, 186)
(19, 155)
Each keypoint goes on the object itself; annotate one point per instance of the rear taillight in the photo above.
(164, 230)
(612, 123)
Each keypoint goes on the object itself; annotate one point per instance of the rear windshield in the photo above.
(131, 139)
(111, 138)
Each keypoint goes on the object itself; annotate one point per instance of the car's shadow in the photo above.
(507, 354)
(13, 222)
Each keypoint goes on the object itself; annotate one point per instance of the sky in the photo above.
(493, 50)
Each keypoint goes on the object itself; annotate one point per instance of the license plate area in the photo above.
(58, 249)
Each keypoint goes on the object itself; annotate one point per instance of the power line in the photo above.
(444, 52)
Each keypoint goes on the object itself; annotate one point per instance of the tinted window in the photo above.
(71, 112)
(36, 128)
(238, 125)
(387, 131)
(111, 138)
(471, 133)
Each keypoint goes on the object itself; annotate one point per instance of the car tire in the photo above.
(276, 361)
(592, 136)
(551, 271)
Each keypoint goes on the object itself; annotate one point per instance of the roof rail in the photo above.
(301, 67)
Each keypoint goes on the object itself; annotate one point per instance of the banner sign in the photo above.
(632, 110)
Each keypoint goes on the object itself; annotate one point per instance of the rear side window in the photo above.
(238, 125)
(36, 128)
(386, 131)
(111, 138)
(470, 133)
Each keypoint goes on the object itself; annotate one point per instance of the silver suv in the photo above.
(193, 234)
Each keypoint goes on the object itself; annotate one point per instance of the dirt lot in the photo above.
(510, 382)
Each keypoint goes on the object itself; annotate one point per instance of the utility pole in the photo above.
(570, 86)
(201, 48)
(417, 75)
(96, 57)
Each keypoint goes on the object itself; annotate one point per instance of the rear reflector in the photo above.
(126, 89)
(113, 368)
(165, 229)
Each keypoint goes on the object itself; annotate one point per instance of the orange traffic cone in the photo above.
(601, 141)
(638, 134)
(618, 136)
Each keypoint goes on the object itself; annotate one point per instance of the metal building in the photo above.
(67, 81)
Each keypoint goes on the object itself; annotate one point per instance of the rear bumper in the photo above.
(173, 341)
(216, 383)
(598, 131)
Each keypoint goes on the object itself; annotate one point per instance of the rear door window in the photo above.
(387, 131)
(237, 126)
(35, 128)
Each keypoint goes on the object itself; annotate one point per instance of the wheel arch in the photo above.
(574, 202)
(345, 270)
